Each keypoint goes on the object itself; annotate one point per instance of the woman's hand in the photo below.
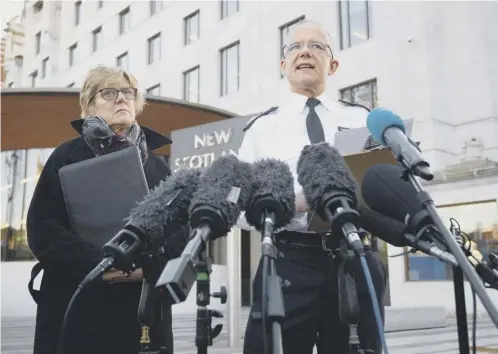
(117, 276)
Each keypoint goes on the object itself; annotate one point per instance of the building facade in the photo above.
(433, 62)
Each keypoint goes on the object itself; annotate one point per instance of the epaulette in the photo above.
(262, 114)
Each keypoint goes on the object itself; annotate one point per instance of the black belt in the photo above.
(326, 241)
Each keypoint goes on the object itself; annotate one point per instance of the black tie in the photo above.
(313, 123)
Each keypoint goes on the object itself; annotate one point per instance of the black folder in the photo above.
(101, 192)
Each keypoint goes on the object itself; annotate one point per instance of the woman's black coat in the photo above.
(104, 319)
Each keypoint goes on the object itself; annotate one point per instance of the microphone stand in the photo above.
(450, 241)
(152, 265)
(204, 333)
(272, 302)
(460, 307)
(461, 311)
(349, 311)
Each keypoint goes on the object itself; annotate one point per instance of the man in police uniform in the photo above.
(307, 115)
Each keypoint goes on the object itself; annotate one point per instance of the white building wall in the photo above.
(424, 56)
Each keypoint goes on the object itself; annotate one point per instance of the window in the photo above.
(154, 90)
(72, 52)
(44, 67)
(96, 38)
(11, 84)
(355, 22)
(284, 35)
(100, 4)
(20, 172)
(192, 24)
(365, 94)
(154, 48)
(285, 31)
(71, 84)
(230, 69)
(77, 13)
(124, 21)
(229, 7)
(191, 85)
(155, 6)
(33, 77)
(122, 61)
(479, 220)
(38, 43)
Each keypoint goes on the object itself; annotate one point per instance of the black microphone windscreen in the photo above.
(166, 205)
(383, 227)
(226, 187)
(385, 191)
(320, 170)
(273, 182)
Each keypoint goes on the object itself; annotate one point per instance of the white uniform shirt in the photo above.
(282, 135)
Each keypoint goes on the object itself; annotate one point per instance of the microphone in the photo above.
(272, 204)
(394, 232)
(222, 193)
(149, 225)
(386, 193)
(271, 207)
(331, 190)
(389, 130)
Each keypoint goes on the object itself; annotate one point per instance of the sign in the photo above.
(199, 146)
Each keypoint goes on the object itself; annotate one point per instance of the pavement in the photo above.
(17, 337)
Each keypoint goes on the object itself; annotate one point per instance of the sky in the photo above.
(9, 9)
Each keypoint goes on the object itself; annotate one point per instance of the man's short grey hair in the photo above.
(305, 23)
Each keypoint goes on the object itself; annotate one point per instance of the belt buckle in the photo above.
(324, 242)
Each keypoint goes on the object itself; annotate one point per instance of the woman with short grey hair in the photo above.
(104, 317)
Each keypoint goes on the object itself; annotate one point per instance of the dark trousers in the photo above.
(312, 306)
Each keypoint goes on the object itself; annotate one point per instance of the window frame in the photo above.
(222, 52)
(186, 74)
(186, 27)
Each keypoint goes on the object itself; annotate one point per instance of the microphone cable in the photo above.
(375, 301)
(105, 263)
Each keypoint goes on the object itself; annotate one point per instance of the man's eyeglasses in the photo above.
(316, 47)
(110, 94)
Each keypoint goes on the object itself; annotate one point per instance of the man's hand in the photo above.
(301, 205)
(117, 276)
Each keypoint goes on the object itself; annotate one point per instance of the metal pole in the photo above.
(234, 286)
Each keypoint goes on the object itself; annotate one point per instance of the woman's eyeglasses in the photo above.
(110, 94)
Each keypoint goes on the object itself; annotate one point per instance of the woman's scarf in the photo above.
(102, 140)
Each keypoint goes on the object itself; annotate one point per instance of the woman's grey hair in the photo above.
(101, 77)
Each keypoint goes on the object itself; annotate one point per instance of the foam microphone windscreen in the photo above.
(320, 170)
(273, 190)
(383, 227)
(226, 187)
(385, 191)
(166, 206)
(381, 119)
